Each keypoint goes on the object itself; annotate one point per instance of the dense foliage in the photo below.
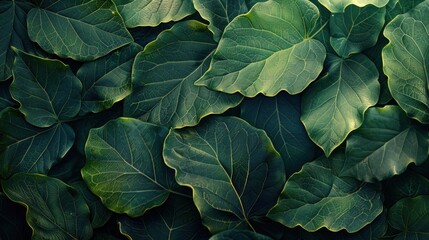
(220, 119)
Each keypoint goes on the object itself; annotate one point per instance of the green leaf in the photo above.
(145, 35)
(408, 184)
(99, 214)
(268, 50)
(355, 29)
(13, 15)
(108, 79)
(25, 148)
(177, 219)
(54, 209)
(411, 216)
(334, 105)
(153, 12)
(47, 90)
(280, 116)
(396, 7)
(239, 234)
(80, 29)
(12, 220)
(336, 6)
(68, 169)
(405, 61)
(164, 91)
(385, 144)
(234, 171)
(128, 151)
(316, 197)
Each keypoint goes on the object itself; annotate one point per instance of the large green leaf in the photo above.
(405, 61)
(25, 148)
(234, 234)
(176, 219)
(336, 6)
(13, 18)
(385, 144)
(316, 197)
(153, 12)
(164, 91)
(355, 29)
(408, 184)
(334, 105)
(46, 89)
(12, 220)
(108, 79)
(268, 50)
(128, 152)
(78, 29)
(411, 216)
(54, 209)
(280, 116)
(234, 171)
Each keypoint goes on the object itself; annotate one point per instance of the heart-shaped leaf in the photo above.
(234, 171)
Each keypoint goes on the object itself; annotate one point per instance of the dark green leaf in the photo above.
(68, 169)
(47, 90)
(153, 12)
(411, 216)
(408, 184)
(355, 29)
(396, 7)
(239, 234)
(280, 116)
(25, 148)
(405, 61)
(316, 197)
(54, 209)
(164, 91)
(337, 6)
(334, 105)
(145, 35)
(108, 79)
(176, 219)
(79, 29)
(12, 220)
(268, 50)
(5, 98)
(385, 144)
(13, 18)
(128, 152)
(234, 171)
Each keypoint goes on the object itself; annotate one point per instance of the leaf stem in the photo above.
(319, 30)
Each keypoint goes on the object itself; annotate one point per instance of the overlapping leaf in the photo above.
(234, 171)
(268, 50)
(239, 234)
(316, 197)
(396, 7)
(334, 105)
(107, 80)
(128, 152)
(46, 89)
(153, 12)
(385, 144)
(54, 209)
(280, 116)
(336, 6)
(405, 61)
(26, 148)
(164, 91)
(81, 29)
(406, 185)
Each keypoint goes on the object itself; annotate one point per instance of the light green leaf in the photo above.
(80, 29)
(334, 105)
(385, 144)
(176, 219)
(336, 6)
(164, 91)
(355, 29)
(405, 61)
(239, 234)
(153, 12)
(268, 50)
(280, 116)
(54, 209)
(25, 148)
(13, 18)
(316, 197)
(234, 171)
(128, 152)
(108, 79)
(12, 220)
(411, 216)
(47, 90)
